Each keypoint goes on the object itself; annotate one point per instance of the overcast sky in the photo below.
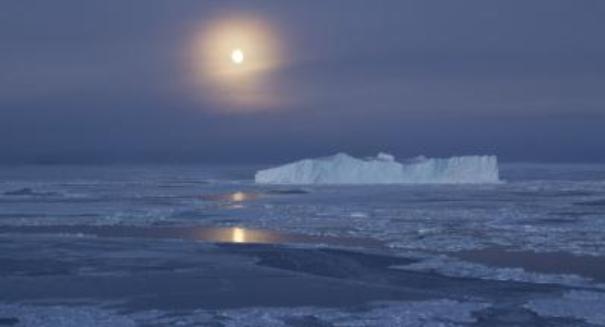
(111, 81)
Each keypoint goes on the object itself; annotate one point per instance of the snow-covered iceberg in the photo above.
(383, 169)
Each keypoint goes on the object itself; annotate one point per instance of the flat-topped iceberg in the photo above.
(383, 169)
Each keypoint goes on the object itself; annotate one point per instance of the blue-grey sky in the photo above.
(85, 81)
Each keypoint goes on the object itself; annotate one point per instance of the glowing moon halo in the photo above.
(249, 45)
(233, 58)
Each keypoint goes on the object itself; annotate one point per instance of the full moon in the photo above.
(237, 56)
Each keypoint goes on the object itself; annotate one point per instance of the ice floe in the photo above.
(585, 305)
(453, 267)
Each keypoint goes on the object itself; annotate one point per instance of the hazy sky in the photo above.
(111, 81)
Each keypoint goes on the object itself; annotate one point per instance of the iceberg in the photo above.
(342, 168)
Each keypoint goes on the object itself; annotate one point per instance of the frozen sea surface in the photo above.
(201, 245)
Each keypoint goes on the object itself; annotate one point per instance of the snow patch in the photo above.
(585, 305)
(383, 169)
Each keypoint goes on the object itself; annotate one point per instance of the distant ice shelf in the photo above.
(342, 168)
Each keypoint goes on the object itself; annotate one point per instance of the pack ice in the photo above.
(383, 169)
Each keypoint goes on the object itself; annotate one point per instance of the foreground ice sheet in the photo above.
(383, 169)
(423, 313)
